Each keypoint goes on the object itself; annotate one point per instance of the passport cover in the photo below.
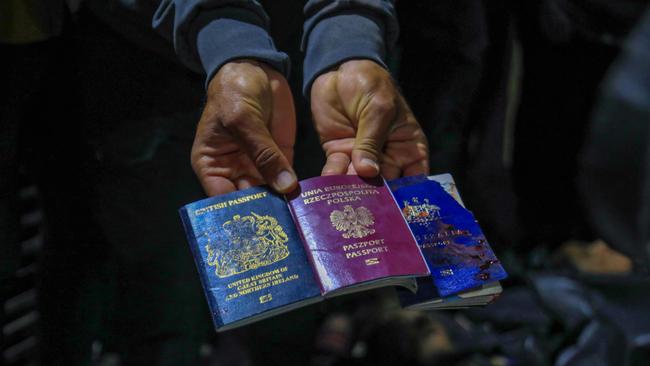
(249, 254)
(353, 231)
(451, 240)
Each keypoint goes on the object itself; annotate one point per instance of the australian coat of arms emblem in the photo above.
(253, 241)
(416, 212)
(354, 223)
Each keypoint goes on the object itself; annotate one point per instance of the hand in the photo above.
(247, 130)
(365, 125)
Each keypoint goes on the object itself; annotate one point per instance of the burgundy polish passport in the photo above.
(354, 232)
(259, 254)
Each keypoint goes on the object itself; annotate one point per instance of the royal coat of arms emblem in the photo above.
(354, 223)
(253, 241)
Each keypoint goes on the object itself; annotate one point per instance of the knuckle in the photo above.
(198, 165)
(237, 116)
(246, 82)
(266, 158)
(383, 105)
(422, 152)
(369, 145)
(195, 158)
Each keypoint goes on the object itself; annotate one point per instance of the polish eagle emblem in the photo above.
(354, 223)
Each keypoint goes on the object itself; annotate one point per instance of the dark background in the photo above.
(96, 131)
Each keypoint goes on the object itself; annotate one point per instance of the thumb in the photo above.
(372, 131)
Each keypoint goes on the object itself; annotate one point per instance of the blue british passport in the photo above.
(462, 264)
(249, 256)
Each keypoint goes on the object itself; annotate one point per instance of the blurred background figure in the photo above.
(39, 166)
(505, 91)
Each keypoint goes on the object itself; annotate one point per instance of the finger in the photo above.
(411, 156)
(214, 185)
(373, 128)
(407, 147)
(328, 114)
(288, 153)
(212, 178)
(337, 163)
(283, 115)
(351, 170)
(269, 160)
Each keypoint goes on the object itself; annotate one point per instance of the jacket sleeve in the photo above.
(209, 33)
(341, 30)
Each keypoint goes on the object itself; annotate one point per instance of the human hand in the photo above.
(246, 133)
(365, 125)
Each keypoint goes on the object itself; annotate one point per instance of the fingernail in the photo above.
(371, 163)
(284, 180)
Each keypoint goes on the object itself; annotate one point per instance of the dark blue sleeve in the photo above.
(209, 33)
(341, 30)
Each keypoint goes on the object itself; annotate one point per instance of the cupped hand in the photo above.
(365, 125)
(246, 133)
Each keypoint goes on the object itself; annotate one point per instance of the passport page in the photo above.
(451, 240)
(354, 232)
(249, 255)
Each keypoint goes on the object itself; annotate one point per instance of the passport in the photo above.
(464, 269)
(259, 254)
(354, 233)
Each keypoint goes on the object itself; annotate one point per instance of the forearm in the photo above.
(337, 31)
(209, 33)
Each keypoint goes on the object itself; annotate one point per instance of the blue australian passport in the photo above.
(249, 255)
(464, 269)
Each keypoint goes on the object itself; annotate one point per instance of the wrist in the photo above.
(340, 38)
(239, 76)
